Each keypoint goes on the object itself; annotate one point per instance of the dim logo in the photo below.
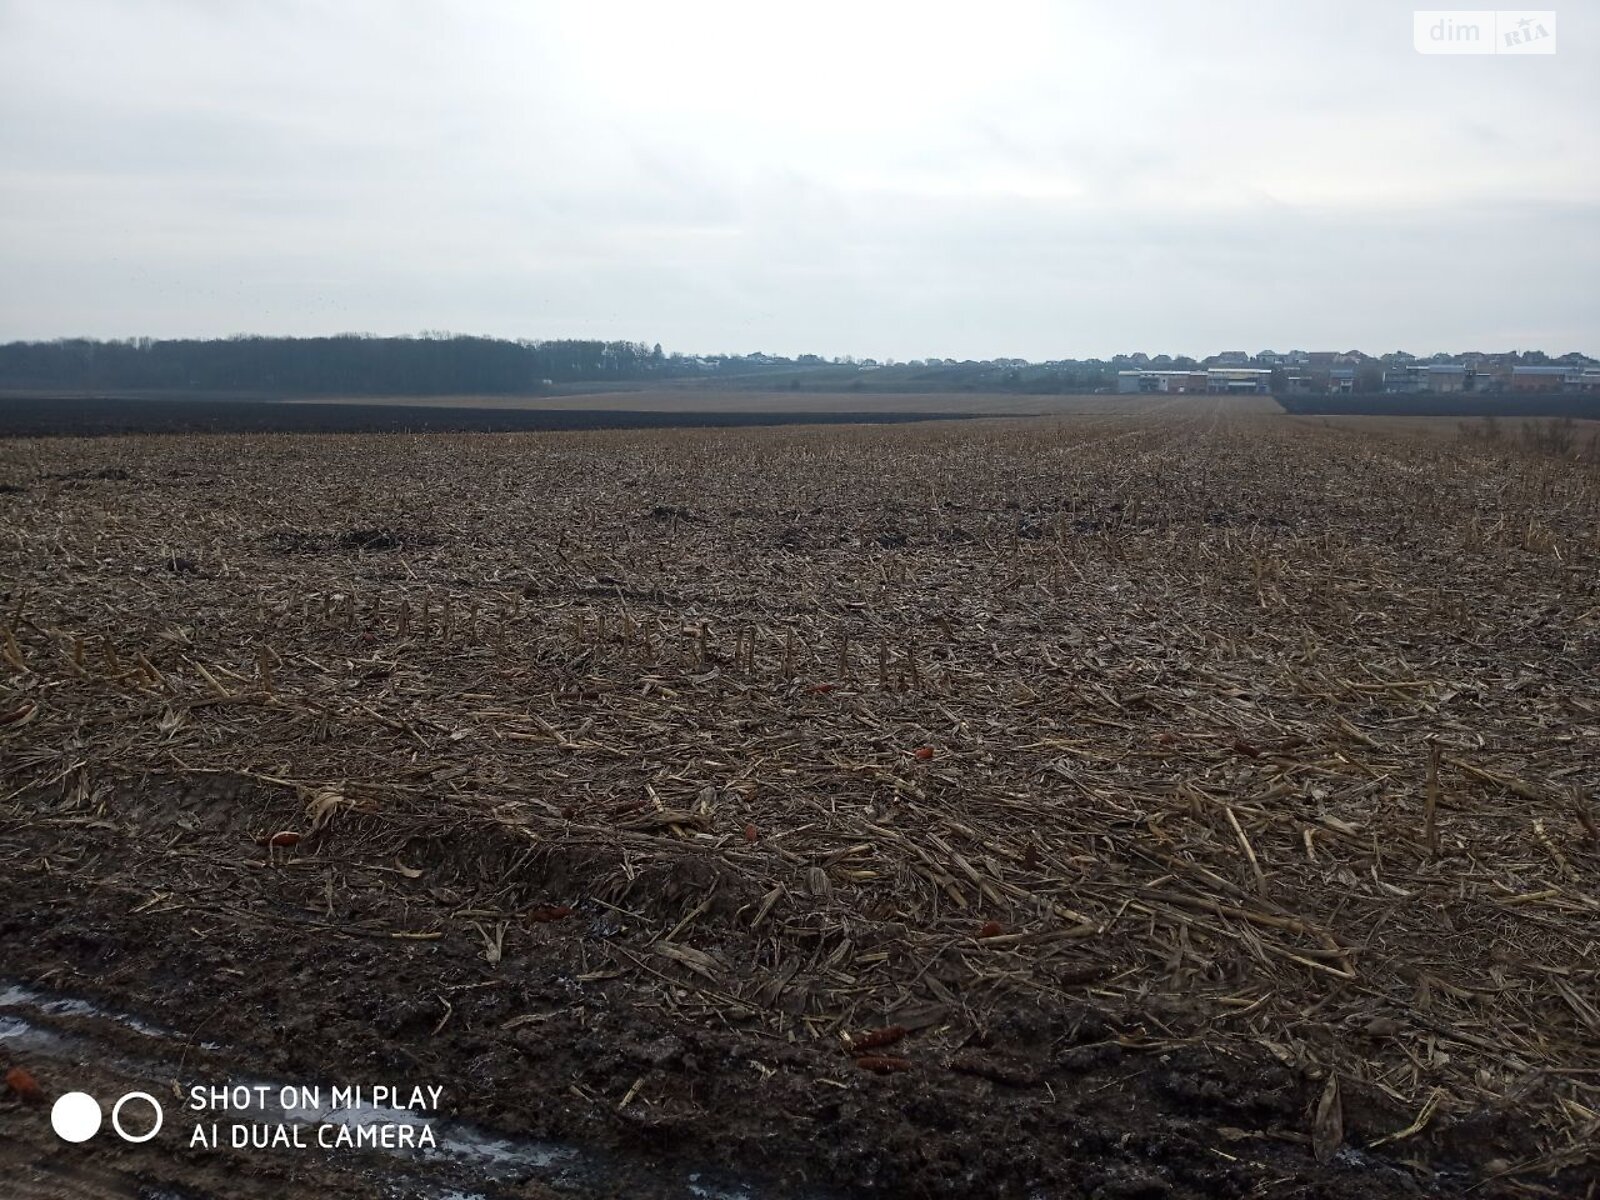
(1483, 31)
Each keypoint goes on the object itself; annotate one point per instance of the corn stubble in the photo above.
(1255, 732)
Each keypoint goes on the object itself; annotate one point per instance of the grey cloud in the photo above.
(1050, 181)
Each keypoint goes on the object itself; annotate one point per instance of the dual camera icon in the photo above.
(76, 1117)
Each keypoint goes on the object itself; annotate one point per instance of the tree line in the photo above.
(348, 365)
(438, 364)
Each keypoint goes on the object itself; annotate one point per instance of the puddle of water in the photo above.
(16, 996)
(711, 1191)
(23, 1035)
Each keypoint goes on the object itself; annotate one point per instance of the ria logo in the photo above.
(76, 1117)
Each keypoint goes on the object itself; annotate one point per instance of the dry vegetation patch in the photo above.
(924, 746)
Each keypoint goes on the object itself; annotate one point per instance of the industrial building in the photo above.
(1214, 380)
(1239, 380)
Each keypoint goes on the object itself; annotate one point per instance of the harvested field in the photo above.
(686, 398)
(93, 416)
(1511, 430)
(1196, 802)
(1505, 405)
(47, 415)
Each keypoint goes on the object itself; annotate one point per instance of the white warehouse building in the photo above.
(1215, 380)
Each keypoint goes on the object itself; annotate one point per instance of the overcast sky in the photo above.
(1038, 180)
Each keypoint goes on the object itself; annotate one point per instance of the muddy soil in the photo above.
(132, 962)
(1182, 805)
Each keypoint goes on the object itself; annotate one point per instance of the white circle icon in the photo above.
(75, 1117)
(116, 1117)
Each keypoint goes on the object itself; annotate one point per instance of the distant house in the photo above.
(1555, 379)
(1401, 380)
(1230, 358)
(1234, 381)
(1437, 377)
(1342, 380)
(1492, 377)
(1447, 377)
(1130, 382)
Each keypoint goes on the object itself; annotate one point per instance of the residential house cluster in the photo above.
(1464, 377)
(1351, 371)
